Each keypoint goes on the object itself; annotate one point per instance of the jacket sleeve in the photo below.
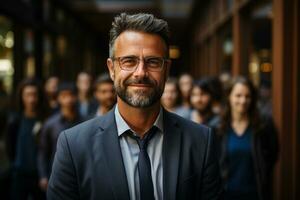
(11, 137)
(212, 188)
(63, 183)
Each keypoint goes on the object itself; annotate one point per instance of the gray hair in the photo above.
(138, 22)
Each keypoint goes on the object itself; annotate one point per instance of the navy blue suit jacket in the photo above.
(88, 163)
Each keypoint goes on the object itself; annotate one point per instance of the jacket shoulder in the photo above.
(85, 129)
(52, 120)
(88, 129)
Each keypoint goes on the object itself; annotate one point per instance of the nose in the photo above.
(141, 70)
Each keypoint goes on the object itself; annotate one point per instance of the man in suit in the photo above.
(138, 150)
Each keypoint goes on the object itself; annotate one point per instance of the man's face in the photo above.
(30, 97)
(200, 100)
(105, 94)
(51, 85)
(141, 87)
(67, 99)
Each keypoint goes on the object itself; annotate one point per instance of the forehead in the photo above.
(29, 88)
(170, 86)
(197, 89)
(52, 80)
(185, 79)
(83, 76)
(139, 43)
(104, 85)
(239, 87)
(66, 93)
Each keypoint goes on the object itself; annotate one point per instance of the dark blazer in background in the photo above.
(88, 163)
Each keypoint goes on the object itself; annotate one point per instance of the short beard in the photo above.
(206, 110)
(139, 99)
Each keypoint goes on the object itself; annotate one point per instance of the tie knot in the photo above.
(143, 143)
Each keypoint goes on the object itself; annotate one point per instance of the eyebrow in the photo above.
(150, 56)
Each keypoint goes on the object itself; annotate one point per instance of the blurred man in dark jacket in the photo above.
(22, 136)
(66, 118)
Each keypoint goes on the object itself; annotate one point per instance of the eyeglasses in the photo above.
(130, 63)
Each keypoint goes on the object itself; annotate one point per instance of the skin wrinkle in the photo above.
(143, 110)
(128, 89)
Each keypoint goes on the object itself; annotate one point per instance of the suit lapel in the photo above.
(113, 157)
(171, 156)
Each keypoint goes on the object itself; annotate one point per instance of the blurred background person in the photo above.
(248, 145)
(22, 141)
(86, 104)
(185, 88)
(217, 93)
(171, 99)
(225, 79)
(67, 117)
(50, 89)
(202, 99)
(170, 96)
(265, 100)
(104, 94)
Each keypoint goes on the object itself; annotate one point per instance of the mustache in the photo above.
(146, 81)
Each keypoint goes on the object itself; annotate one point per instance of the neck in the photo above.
(68, 113)
(204, 116)
(30, 113)
(169, 108)
(82, 96)
(51, 96)
(139, 119)
(186, 103)
(103, 109)
(239, 117)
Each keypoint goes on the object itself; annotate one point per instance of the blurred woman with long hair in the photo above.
(248, 145)
(22, 137)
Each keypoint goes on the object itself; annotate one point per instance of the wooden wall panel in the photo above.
(285, 96)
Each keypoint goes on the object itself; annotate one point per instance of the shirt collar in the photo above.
(122, 126)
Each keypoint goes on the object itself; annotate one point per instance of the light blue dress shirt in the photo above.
(130, 152)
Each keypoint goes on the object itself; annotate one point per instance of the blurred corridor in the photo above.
(56, 41)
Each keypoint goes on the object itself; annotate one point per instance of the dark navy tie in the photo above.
(144, 167)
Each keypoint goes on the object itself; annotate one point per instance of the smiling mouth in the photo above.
(140, 85)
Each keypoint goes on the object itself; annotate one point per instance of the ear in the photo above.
(110, 66)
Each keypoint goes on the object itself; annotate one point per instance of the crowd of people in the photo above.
(111, 155)
(246, 136)
(33, 127)
(241, 118)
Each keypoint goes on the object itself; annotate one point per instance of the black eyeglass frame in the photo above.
(145, 61)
